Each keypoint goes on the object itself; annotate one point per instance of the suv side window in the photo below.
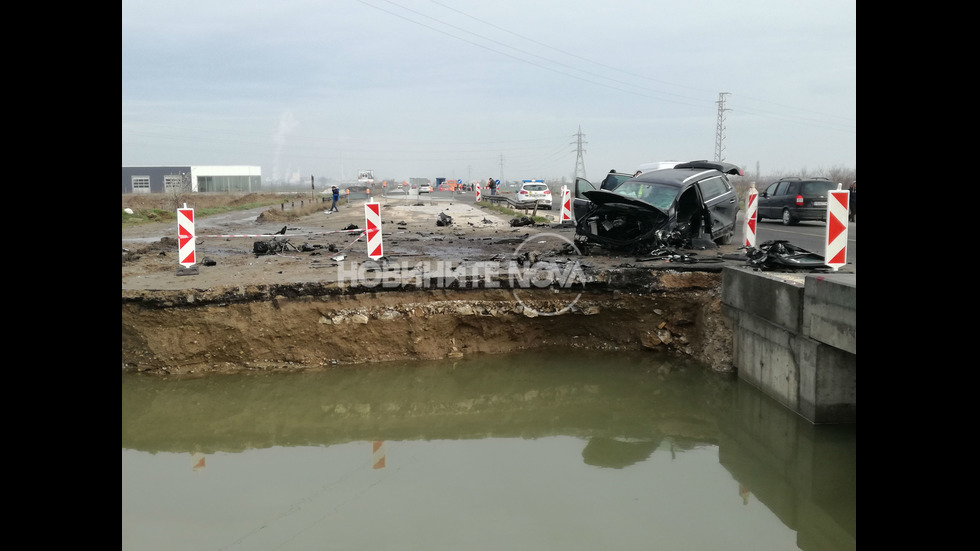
(779, 188)
(817, 188)
(712, 187)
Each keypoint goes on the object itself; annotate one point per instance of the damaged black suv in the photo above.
(672, 207)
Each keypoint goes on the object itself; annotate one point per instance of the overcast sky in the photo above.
(473, 89)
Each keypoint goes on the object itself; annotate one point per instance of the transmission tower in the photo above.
(579, 160)
(720, 129)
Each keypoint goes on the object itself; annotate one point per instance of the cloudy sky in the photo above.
(469, 89)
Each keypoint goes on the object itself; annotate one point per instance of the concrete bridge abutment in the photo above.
(795, 338)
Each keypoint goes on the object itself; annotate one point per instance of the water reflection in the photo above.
(536, 451)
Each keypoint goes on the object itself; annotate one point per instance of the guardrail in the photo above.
(516, 205)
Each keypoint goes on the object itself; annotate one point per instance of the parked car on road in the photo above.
(667, 207)
(425, 188)
(534, 190)
(794, 199)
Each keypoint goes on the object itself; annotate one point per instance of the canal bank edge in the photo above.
(322, 324)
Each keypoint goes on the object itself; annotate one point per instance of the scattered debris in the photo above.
(670, 255)
(275, 245)
(517, 240)
(783, 255)
(208, 261)
(352, 227)
(444, 220)
(522, 221)
(528, 257)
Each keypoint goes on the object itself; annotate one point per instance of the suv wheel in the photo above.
(788, 219)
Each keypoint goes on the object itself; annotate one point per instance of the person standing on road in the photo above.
(335, 197)
(492, 186)
(852, 203)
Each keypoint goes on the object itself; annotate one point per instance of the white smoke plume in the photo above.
(287, 123)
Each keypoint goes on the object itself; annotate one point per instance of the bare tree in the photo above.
(177, 195)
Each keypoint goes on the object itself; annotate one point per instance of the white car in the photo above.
(425, 188)
(534, 190)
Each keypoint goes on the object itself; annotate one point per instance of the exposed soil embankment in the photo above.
(309, 326)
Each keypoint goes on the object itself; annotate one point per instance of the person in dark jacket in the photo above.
(852, 202)
(335, 197)
(492, 185)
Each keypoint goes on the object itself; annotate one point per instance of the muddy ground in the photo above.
(439, 291)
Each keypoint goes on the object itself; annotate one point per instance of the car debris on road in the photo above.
(783, 255)
(275, 245)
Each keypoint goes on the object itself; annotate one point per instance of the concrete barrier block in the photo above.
(772, 296)
(794, 338)
(828, 383)
(830, 310)
(765, 356)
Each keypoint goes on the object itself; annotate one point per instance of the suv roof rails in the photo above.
(798, 178)
(727, 168)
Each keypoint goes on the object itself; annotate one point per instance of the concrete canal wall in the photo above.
(795, 338)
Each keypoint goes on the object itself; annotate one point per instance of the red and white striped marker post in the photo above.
(479, 196)
(751, 210)
(185, 236)
(836, 236)
(378, 454)
(372, 225)
(566, 205)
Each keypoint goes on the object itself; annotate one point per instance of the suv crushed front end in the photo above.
(618, 222)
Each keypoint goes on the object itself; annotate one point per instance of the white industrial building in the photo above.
(161, 179)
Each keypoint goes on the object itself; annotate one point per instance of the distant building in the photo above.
(161, 179)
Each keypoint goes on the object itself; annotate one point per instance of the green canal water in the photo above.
(536, 451)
